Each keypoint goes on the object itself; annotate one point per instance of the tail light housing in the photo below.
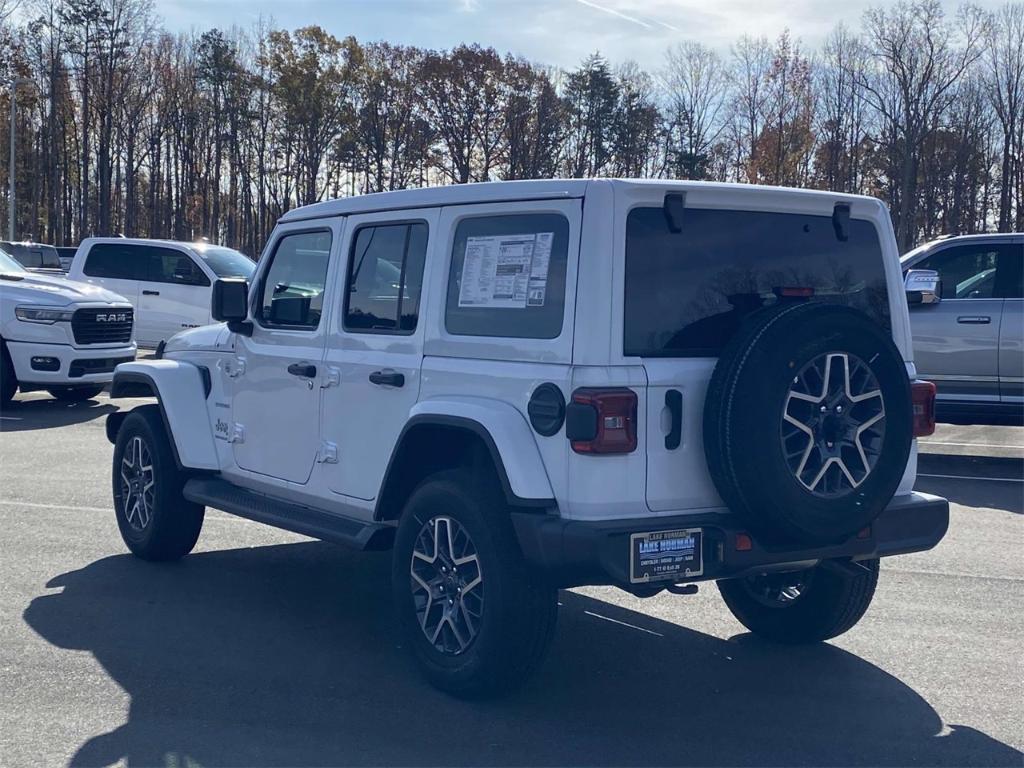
(922, 397)
(602, 421)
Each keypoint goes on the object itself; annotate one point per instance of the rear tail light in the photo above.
(602, 421)
(922, 396)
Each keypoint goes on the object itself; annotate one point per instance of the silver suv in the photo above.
(969, 332)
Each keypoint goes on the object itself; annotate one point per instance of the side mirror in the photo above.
(230, 300)
(923, 286)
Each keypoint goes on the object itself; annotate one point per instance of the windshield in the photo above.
(226, 262)
(8, 264)
(920, 249)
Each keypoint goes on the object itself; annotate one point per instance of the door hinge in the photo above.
(331, 377)
(328, 453)
(233, 368)
(237, 433)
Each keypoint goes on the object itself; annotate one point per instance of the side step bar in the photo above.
(222, 495)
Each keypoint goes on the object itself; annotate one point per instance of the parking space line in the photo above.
(971, 445)
(972, 477)
(623, 623)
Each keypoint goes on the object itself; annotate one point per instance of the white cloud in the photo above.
(556, 32)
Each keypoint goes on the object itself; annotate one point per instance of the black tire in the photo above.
(756, 458)
(834, 597)
(75, 394)
(167, 526)
(8, 379)
(517, 610)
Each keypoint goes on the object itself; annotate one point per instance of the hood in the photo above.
(44, 290)
(204, 338)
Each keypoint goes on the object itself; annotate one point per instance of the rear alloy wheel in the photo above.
(76, 394)
(477, 619)
(805, 606)
(447, 585)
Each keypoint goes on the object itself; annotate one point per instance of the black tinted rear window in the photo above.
(688, 292)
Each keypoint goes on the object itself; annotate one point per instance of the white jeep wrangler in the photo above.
(523, 386)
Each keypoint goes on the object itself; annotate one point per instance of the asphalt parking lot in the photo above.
(265, 648)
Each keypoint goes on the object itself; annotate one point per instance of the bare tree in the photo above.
(1004, 58)
(695, 83)
(751, 63)
(842, 125)
(918, 58)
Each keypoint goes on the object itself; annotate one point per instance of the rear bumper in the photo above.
(577, 553)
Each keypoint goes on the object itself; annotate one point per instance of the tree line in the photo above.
(126, 127)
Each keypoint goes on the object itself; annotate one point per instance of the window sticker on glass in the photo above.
(506, 271)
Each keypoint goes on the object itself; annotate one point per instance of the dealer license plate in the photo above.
(665, 555)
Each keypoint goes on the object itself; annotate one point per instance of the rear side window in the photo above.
(147, 263)
(114, 260)
(385, 278)
(293, 286)
(508, 276)
(167, 266)
(688, 292)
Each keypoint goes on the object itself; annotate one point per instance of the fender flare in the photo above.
(505, 432)
(181, 389)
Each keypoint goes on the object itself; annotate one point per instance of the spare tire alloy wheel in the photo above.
(833, 426)
(808, 423)
(447, 585)
(137, 484)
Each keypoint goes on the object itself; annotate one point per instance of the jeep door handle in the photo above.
(974, 320)
(388, 378)
(305, 370)
(151, 293)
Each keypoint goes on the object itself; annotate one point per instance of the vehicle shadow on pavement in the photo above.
(44, 413)
(992, 482)
(287, 655)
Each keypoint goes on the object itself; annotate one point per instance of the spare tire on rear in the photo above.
(808, 423)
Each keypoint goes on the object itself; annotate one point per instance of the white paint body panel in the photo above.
(180, 387)
(486, 380)
(511, 433)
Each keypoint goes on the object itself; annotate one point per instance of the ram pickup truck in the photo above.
(59, 335)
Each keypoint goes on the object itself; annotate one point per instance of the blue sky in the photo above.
(557, 32)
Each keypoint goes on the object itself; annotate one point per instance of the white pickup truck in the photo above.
(59, 335)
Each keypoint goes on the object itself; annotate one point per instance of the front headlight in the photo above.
(43, 314)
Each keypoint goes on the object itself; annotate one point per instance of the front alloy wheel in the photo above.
(447, 585)
(137, 483)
